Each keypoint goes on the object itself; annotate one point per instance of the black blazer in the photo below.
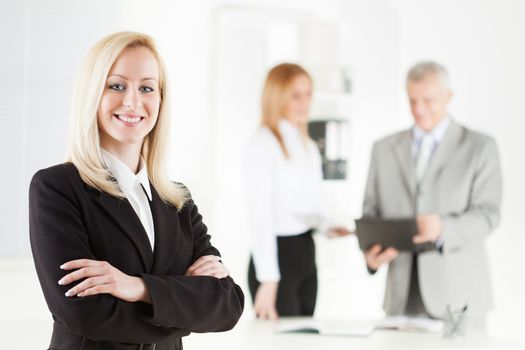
(71, 220)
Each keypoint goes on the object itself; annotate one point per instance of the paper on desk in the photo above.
(327, 327)
(405, 323)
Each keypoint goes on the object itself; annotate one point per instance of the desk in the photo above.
(261, 335)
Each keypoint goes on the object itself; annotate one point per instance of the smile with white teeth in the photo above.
(128, 119)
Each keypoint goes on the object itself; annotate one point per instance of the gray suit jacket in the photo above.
(463, 185)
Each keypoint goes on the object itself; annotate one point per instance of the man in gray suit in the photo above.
(448, 177)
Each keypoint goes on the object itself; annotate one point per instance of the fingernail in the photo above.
(61, 282)
(68, 293)
(63, 266)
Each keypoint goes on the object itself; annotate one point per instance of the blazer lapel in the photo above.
(123, 214)
(403, 152)
(167, 225)
(444, 151)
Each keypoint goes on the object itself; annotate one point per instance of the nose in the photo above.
(131, 99)
(418, 108)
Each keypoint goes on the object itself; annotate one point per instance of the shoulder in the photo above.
(478, 146)
(476, 138)
(56, 174)
(58, 181)
(263, 137)
(263, 142)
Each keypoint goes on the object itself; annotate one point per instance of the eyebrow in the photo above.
(124, 77)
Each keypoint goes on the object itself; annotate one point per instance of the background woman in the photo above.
(121, 252)
(283, 177)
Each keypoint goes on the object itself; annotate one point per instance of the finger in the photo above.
(201, 268)
(388, 255)
(206, 265)
(272, 314)
(259, 312)
(220, 273)
(374, 251)
(392, 253)
(420, 238)
(260, 309)
(79, 263)
(215, 271)
(84, 272)
(88, 283)
(98, 289)
(203, 260)
(342, 232)
(266, 315)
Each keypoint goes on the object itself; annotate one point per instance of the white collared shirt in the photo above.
(284, 196)
(437, 134)
(136, 188)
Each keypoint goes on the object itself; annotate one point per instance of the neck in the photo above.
(127, 154)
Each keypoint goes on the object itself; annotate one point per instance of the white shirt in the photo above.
(437, 134)
(284, 196)
(136, 188)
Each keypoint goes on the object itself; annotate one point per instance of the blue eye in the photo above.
(146, 89)
(117, 87)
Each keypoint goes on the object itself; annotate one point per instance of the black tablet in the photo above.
(395, 233)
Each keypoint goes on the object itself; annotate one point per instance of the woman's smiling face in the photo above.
(130, 104)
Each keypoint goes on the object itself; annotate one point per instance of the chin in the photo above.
(129, 140)
(426, 125)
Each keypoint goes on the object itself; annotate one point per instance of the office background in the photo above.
(217, 53)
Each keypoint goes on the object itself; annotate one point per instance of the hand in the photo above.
(265, 299)
(102, 278)
(338, 232)
(208, 265)
(429, 228)
(375, 258)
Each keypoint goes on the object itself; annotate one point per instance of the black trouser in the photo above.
(297, 290)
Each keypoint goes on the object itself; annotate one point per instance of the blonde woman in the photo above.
(283, 177)
(121, 252)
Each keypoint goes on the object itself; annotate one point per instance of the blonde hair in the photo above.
(276, 97)
(85, 150)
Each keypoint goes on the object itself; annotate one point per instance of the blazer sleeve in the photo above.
(196, 303)
(483, 213)
(57, 235)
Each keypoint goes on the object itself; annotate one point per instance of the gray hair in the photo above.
(421, 69)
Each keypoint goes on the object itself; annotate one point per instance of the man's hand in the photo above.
(375, 258)
(265, 299)
(429, 228)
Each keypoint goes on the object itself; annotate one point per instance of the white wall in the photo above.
(40, 49)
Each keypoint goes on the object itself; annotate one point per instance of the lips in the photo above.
(130, 119)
